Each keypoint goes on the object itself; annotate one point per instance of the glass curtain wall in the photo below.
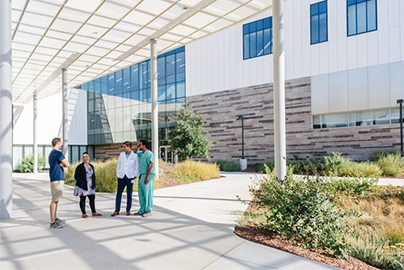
(119, 104)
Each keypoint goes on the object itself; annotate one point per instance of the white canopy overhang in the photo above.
(92, 38)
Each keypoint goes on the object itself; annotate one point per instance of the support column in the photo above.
(64, 118)
(6, 112)
(279, 88)
(35, 135)
(154, 100)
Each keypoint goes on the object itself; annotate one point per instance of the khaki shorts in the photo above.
(57, 190)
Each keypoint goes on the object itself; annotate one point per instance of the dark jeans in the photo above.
(122, 183)
(83, 203)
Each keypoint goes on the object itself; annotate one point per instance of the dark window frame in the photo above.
(356, 17)
(311, 24)
(256, 28)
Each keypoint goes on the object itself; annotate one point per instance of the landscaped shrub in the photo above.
(391, 164)
(260, 167)
(27, 164)
(105, 175)
(376, 234)
(228, 166)
(337, 165)
(355, 186)
(333, 163)
(359, 169)
(307, 167)
(302, 211)
(199, 170)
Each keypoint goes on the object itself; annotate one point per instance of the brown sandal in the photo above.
(114, 214)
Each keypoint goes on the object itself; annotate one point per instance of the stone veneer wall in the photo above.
(108, 151)
(256, 104)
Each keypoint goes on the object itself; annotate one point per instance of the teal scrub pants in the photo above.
(146, 194)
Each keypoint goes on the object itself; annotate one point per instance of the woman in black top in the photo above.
(85, 185)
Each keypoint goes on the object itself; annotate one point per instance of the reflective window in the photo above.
(257, 38)
(357, 119)
(318, 22)
(119, 106)
(369, 118)
(361, 16)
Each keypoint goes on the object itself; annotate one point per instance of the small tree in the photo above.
(187, 138)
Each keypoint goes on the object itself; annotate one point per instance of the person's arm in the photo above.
(118, 167)
(149, 168)
(136, 163)
(136, 148)
(92, 167)
(78, 175)
(64, 163)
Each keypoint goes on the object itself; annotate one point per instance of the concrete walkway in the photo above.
(191, 228)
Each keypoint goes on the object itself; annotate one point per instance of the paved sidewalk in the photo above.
(191, 228)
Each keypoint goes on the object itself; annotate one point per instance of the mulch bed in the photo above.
(267, 238)
(253, 233)
(169, 181)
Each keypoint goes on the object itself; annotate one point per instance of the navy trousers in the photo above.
(122, 183)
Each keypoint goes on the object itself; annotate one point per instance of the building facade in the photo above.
(344, 71)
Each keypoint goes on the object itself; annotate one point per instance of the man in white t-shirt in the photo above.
(126, 172)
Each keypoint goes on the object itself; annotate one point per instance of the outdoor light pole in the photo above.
(400, 101)
(242, 136)
(243, 160)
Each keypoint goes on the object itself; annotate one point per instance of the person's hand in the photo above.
(61, 164)
(146, 180)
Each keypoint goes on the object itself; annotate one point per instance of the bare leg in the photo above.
(53, 208)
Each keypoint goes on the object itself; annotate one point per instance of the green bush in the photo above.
(355, 186)
(228, 166)
(337, 165)
(27, 164)
(332, 164)
(308, 167)
(356, 169)
(374, 251)
(261, 166)
(391, 164)
(303, 211)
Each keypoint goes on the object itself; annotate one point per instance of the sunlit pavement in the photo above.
(191, 228)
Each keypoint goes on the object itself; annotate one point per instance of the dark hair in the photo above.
(128, 144)
(55, 141)
(146, 143)
(85, 153)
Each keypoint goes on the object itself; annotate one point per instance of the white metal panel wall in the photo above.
(49, 121)
(205, 64)
(358, 89)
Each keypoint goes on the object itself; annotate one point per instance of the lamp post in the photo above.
(243, 160)
(400, 101)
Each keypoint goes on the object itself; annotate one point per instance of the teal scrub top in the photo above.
(144, 160)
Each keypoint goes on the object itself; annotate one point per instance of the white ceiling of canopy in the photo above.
(92, 38)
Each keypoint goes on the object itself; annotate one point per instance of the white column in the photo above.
(64, 120)
(34, 100)
(279, 88)
(154, 100)
(6, 112)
